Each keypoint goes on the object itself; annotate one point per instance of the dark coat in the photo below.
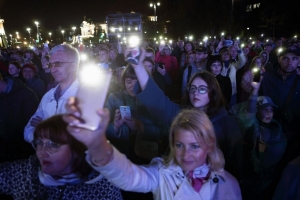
(16, 108)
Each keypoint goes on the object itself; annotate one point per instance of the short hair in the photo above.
(149, 60)
(104, 49)
(190, 42)
(127, 73)
(215, 95)
(67, 49)
(15, 63)
(55, 129)
(150, 50)
(198, 123)
(211, 60)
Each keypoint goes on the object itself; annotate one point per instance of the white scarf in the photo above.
(48, 180)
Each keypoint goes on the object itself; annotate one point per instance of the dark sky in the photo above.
(21, 14)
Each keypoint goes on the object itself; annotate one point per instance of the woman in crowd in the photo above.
(188, 47)
(170, 62)
(192, 170)
(264, 144)
(203, 93)
(247, 78)
(32, 81)
(268, 66)
(133, 134)
(140, 136)
(14, 69)
(57, 171)
(214, 66)
(159, 75)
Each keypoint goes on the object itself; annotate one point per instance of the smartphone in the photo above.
(135, 51)
(125, 111)
(160, 65)
(228, 43)
(256, 74)
(91, 94)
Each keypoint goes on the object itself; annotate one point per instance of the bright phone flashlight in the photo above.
(134, 41)
(92, 75)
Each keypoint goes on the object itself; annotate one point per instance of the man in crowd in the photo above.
(63, 62)
(283, 87)
(201, 58)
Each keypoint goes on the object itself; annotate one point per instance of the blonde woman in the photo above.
(192, 170)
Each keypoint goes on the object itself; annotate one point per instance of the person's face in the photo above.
(191, 58)
(27, 73)
(199, 100)
(258, 62)
(28, 55)
(233, 52)
(189, 154)
(167, 51)
(266, 114)
(129, 85)
(216, 68)
(263, 57)
(112, 55)
(149, 66)
(103, 56)
(55, 164)
(225, 56)
(149, 55)
(180, 44)
(288, 62)
(66, 71)
(268, 49)
(199, 56)
(45, 63)
(188, 47)
(13, 70)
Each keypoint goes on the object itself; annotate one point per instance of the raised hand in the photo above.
(88, 137)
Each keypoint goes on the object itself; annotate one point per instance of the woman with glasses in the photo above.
(57, 171)
(202, 93)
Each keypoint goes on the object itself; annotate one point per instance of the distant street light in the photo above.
(63, 33)
(28, 29)
(37, 31)
(73, 28)
(155, 17)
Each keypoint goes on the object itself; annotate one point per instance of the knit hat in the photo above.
(30, 66)
(264, 101)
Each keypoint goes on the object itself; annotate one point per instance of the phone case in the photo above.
(125, 111)
(91, 98)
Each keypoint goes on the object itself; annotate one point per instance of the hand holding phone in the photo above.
(125, 111)
(91, 94)
(256, 74)
(160, 65)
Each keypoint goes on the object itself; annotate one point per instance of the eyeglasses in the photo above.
(51, 147)
(57, 64)
(202, 89)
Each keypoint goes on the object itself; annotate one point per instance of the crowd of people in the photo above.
(210, 121)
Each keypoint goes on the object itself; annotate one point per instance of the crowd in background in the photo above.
(256, 122)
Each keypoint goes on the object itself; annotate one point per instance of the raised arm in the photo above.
(103, 157)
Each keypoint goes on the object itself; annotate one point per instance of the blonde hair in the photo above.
(198, 123)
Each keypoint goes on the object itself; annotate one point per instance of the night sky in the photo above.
(21, 14)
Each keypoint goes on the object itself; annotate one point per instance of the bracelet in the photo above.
(104, 160)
